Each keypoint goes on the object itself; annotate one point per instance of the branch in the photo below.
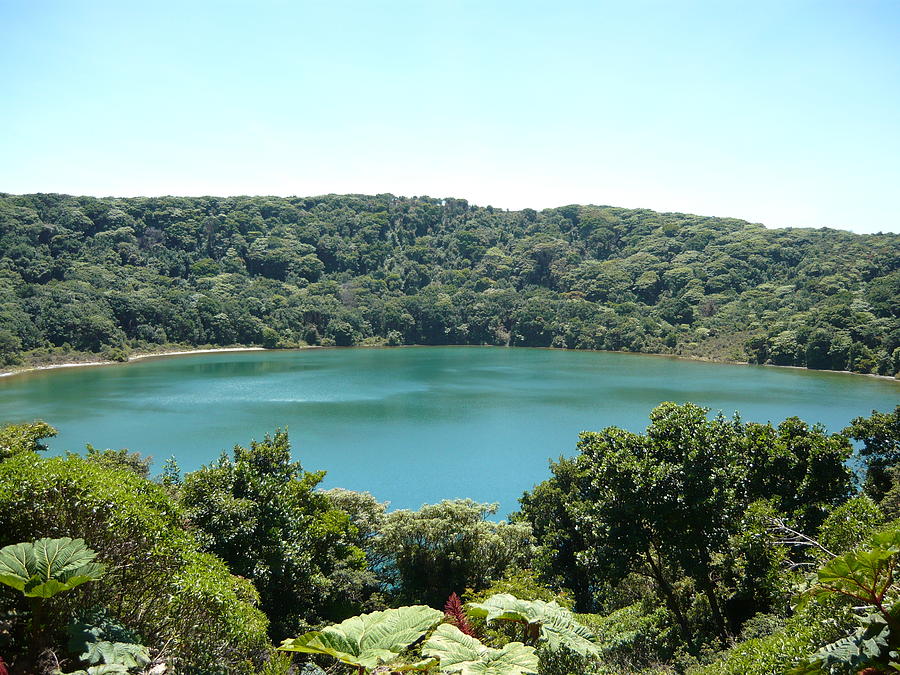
(795, 538)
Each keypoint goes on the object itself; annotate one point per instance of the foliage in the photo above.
(16, 438)
(96, 624)
(849, 525)
(447, 547)
(455, 614)
(370, 640)
(865, 575)
(43, 568)
(634, 637)
(103, 669)
(125, 654)
(280, 663)
(461, 653)
(108, 275)
(261, 514)
(669, 505)
(101, 641)
(545, 621)
(680, 538)
(815, 623)
(524, 584)
(864, 647)
(191, 611)
(880, 438)
(121, 459)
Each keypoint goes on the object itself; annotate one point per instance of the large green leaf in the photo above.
(125, 654)
(461, 653)
(866, 646)
(369, 640)
(865, 575)
(46, 567)
(555, 625)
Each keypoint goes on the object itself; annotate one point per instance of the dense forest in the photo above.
(704, 546)
(80, 275)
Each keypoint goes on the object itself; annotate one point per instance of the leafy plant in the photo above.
(104, 669)
(48, 566)
(43, 569)
(454, 613)
(97, 624)
(125, 654)
(862, 648)
(461, 653)
(106, 643)
(17, 438)
(865, 576)
(184, 604)
(543, 621)
(370, 640)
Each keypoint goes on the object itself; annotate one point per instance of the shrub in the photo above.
(185, 603)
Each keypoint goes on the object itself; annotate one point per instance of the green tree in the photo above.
(260, 512)
(667, 503)
(18, 438)
(880, 438)
(447, 547)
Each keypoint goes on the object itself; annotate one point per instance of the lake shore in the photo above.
(215, 350)
(136, 357)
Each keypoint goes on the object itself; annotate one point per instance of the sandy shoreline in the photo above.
(188, 352)
(136, 357)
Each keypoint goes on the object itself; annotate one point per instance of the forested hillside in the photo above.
(107, 276)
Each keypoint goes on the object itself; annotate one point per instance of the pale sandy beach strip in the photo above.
(136, 357)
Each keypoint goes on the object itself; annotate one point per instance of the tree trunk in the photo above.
(709, 590)
(671, 599)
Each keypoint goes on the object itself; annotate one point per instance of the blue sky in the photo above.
(783, 112)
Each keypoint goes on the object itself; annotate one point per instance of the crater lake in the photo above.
(411, 425)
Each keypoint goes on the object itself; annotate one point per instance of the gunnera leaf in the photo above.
(461, 653)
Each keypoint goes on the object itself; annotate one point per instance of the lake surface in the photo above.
(411, 425)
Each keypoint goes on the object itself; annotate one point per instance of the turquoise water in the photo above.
(411, 425)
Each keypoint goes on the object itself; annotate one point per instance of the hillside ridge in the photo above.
(86, 275)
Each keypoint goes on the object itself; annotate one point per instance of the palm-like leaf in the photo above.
(43, 568)
(369, 640)
(461, 653)
(555, 625)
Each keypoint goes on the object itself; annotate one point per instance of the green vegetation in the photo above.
(464, 654)
(372, 640)
(82, 277)
(261, 514)
(704, 546)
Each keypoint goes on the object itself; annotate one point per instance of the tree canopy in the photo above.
(105, 276)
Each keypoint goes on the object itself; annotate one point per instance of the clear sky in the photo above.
(784, 112)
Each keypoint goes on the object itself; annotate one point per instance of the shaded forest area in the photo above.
(81, 275)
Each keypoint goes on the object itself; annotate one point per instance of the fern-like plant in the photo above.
(454, 613)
